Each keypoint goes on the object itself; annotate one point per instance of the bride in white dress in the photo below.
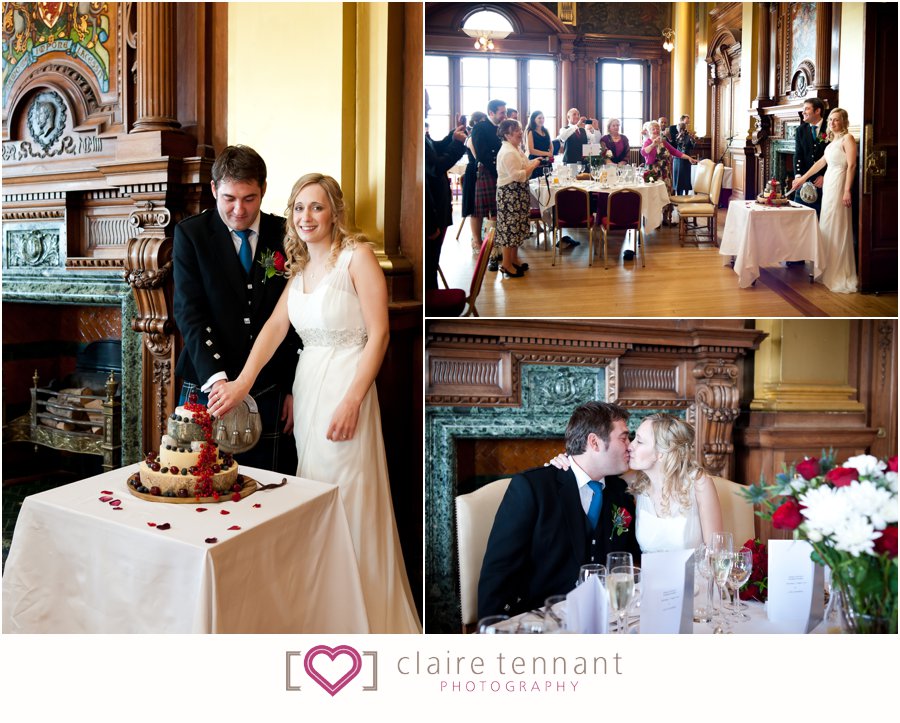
(675, 500)
(337, 301)
(839, 272)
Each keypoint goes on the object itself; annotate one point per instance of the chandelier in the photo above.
(669, 42)
(484, 39)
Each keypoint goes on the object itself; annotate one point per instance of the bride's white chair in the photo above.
(701, 185)
(475, 514)
(737, 512)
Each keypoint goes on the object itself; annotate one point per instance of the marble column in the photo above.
(156, 62)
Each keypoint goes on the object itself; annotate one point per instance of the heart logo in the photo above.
(333, 653)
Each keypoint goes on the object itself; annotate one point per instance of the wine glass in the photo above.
(620, 585)
(592, 570)
(495, 624)
(635, 608)
(703, 573)
(535, 623)
(741, 567)
(555, 609)
(618, 559)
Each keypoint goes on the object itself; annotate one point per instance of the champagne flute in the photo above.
(618, 559)
(592, 570)
(741, 567)
(635, 607)
(721, 546)
(620, 584)
(704, 573)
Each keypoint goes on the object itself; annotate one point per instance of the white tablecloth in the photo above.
(654, 195)
(78, 566)
(758, 235)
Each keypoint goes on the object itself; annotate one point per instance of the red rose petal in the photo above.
(151, 524)
(224, 512)
(234, 527)
(105, 492)
(201, 509)
(211, 540)
(163, 526)
(115, 503)
(105, 498)
(257, 505)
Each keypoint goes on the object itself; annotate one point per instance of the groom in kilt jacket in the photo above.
(809, 147)
(223, 299)
(553, 521)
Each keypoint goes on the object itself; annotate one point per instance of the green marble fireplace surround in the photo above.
(520, 380)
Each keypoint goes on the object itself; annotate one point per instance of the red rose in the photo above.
(626, 517)
(808, 468)
(278, 261)
(787, 517)
(842, 476)
(892, 464)
(887, 543)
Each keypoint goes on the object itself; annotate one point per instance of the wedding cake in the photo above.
(774, 196)
(189, 463)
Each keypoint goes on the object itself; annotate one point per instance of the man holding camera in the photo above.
(577, 133)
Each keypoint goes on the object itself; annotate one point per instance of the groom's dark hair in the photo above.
(592, 417)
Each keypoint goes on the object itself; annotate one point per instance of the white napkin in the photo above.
(587, 608)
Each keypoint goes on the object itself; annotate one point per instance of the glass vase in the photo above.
(857, 622)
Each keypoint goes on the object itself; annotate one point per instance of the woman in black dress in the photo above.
(538, 142)
(681, 167)
(470, 177)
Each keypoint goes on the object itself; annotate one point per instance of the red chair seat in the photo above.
(445, 302)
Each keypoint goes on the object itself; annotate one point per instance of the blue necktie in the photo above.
(596, 502)
(245, 254)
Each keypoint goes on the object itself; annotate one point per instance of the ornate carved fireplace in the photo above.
(499, 395)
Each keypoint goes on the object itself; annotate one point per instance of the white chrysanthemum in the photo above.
(866, 464)
(867, 500)
(856, 535)
(891, 478)
(824, 510)
(812, 535)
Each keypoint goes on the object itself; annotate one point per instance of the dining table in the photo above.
(93, 557)
(758, 235)
(655, 197)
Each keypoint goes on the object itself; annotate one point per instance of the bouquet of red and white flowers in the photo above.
(848, 514)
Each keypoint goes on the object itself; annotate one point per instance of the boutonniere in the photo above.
(621, 520)
(273, 264)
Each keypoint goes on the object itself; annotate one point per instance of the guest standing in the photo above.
(470, 178)
(487, 144)
(681, 167)
(440, 157)
(513, 172)
(538, 142)
(615, 142)
(577, 133)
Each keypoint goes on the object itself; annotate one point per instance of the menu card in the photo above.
(590, 149)
(587, 607)
(667, 603)
(796, 586)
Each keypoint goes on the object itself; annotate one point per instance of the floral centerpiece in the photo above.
(604, 157)
(757, 587)
(848, 513)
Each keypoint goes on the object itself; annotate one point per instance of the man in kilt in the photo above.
(487, 144)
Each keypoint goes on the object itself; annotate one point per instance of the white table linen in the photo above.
(758, 235)
(654, 197)
(78, 566)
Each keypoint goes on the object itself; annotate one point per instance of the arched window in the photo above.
(487, 20)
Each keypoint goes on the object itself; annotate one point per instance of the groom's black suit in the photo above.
(808, 150)
(540, 539)
(220, 311)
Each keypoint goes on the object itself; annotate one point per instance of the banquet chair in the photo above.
(707, 210)
(534, 216)
(737, 512)
(624, 212)
(701, 185)
(573, 210)
(453, 302)
(474, 518)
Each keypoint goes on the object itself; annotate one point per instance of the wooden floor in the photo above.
(676, 281)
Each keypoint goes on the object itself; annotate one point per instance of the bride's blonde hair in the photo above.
(341, 237)
(845, 122)
(674, 441)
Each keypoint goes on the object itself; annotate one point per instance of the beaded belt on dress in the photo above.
(333, 337)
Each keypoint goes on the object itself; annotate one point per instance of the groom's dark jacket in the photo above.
(540, 539)
(219, 309)
(808, 150)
